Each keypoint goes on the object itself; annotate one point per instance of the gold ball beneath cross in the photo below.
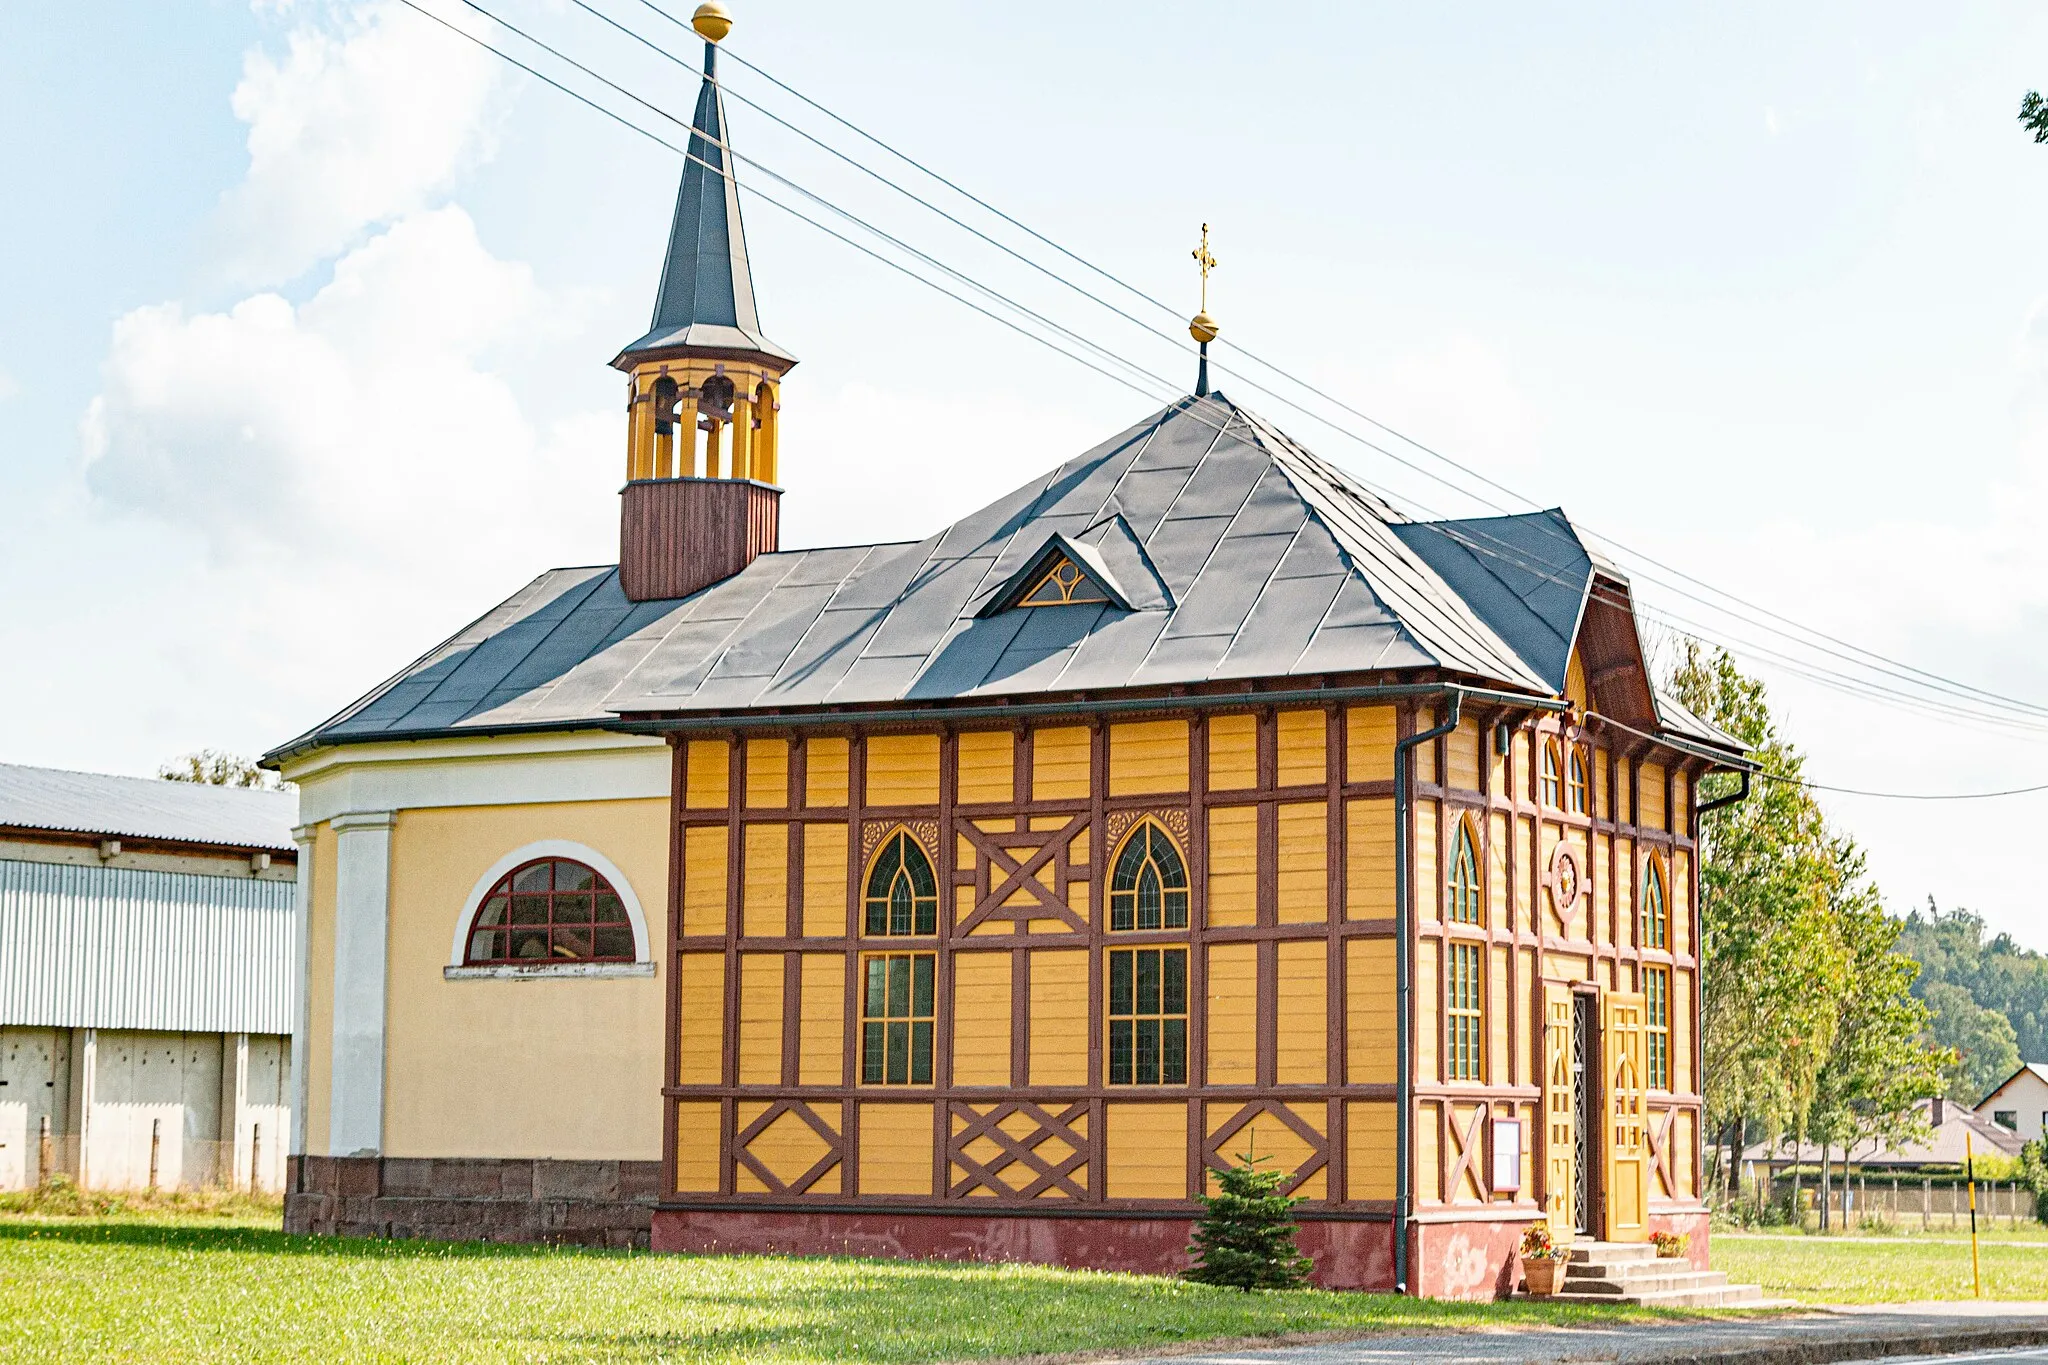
(712, 21)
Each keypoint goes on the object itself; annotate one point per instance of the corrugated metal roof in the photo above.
(108, 947)
(146, 808)
(1243, 556)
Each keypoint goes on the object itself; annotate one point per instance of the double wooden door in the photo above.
(1595, 1116)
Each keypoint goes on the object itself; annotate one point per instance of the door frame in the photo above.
(1588, 1108)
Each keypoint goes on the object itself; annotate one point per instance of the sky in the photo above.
(306, 309)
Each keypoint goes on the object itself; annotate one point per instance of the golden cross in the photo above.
(1207, 263)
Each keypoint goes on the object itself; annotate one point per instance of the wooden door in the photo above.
(1559, 1136)
(1627, 1155)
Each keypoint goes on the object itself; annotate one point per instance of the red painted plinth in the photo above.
(1475, 1260)
(1347, 1255)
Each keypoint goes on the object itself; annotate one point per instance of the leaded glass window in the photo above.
(1149, 887)
(1148, 1016)
(1575, 786)
(1464, 905)
(1656, 920)
(550, 910)
(1465, 1036)
(896, 1019)
(1657, 1006)
(903, 894)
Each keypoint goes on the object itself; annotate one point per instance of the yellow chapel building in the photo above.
(976, 896)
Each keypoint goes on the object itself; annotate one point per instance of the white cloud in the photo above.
(8, 386)
(352, 126)
(364, 425)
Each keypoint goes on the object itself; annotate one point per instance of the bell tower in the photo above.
(704, 389)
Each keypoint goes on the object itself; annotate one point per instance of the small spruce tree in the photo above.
(1246, 1239)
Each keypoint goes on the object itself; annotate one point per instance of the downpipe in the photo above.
(1404, 976)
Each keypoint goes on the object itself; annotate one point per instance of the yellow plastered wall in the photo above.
(981, 1018)
(452, 1088)
(1302, 744)
(1303, 1024)
(895, 1149)
(1369, 744)
(704, 879)
(1059, 1017)
(1429, 1176)
(320, 991)
(764, 881)
(1369, 991)
(1369, 1146)
(1498, 1058)
(987, 762)
(709, 772)
(1233, 998)
(760, 1018)
(1148, 756)
(821, 1027)
(1304, 863)
(1059, 763)
(1427, 892)
(768, 773)
(1233, 865)
(826, 764)
(1233, 753)
(903, 770)
(1147, 1151)
(1369, 859)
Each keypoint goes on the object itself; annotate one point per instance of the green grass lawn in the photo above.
(1884, 1269)
(170, 1287)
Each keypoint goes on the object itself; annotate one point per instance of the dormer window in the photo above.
(1062, 585)
(1062, 573)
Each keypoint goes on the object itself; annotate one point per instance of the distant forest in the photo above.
(1986, 997)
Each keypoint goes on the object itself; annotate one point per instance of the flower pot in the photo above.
(1542, 1277)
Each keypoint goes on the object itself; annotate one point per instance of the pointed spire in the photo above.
(706, 298)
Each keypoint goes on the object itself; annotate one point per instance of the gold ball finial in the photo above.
(1203, 328)
(712, 21)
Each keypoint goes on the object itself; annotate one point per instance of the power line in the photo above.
(1895, 667)
(894, 241)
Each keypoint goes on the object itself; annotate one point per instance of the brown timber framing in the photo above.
(1503, 789)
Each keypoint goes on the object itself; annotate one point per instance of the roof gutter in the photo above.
(1200, 701)
(1741, 793)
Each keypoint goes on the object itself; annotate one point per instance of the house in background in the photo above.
(146, 997)
(1955, 1130)
(2019, 1104)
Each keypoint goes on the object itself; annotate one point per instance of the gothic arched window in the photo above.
(1463, 907)
(902, 892)
(1149, 887)
(1548, 787)
(550, 910)
(1575, 784)
(1656, 919)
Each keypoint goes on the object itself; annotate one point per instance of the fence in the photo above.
(1907, 1201)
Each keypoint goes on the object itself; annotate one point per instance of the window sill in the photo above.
(547, 971)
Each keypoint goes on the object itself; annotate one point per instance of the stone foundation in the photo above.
(576, 1203)
(1348, 1253)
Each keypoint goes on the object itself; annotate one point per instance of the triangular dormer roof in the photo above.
(1064, 573)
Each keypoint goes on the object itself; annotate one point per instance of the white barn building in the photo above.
(146, 984)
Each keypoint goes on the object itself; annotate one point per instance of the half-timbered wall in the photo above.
(1286, 823)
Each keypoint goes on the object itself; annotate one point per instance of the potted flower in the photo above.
(1542, 1260)
(1671, 1245)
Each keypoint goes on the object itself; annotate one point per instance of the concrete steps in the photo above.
(1632, 1273)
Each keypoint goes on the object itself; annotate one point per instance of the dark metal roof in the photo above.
(146, 808)
(1241, 555)
(1527, 575)
(706, 299)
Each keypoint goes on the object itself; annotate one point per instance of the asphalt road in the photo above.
(1899, 1333)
